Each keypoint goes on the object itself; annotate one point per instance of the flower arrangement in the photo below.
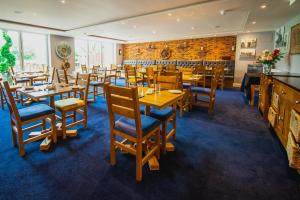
(270, 58)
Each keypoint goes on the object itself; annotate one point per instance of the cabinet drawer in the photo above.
(293, 152)
(272, 116)
(295, 124)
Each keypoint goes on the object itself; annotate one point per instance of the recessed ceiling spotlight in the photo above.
(134, 26)
(178, 19)
(254, 22)
(263, 6)
(123, 23)
(63, 1)
(193, 28)
(154, 32)
(17, 12)
(169, 14)
(222, 12)
(215, 35)
(248, 31)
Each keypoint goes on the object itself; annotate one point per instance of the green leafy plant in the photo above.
(7, 59)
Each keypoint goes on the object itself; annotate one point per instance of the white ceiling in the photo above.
(146, 20)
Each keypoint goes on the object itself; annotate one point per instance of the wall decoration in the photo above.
(138, 52)
(248, 43)
(165, 53)
(63, 50)
(120, 52)
(183, 47)
(203, 52)
(151, 47)
(247, 54)
(295, 39)
(279, 37)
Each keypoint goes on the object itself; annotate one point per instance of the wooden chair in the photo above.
(186, 70)
(131, 76)
(28, 115)
(98, 84)
(209, 92)
(134, 128)
(44, 78)
(74, 105)
(171, 68)
(222, 77)
(150, 75)
(18, 81)
(201, 70)
(168, 114)
(84, 69)
(62, 76)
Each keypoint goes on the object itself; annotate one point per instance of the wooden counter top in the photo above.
(293, 82)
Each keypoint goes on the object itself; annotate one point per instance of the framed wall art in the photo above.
(295, 39)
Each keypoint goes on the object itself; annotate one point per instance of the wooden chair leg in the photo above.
(139, 164)
(94, 93)
(74, 116)
(113, 160)
(85, 117)
(53, 127)
(164, 136)
(44, 124)
(181, 107)
(63, 124)
(2, 99)
(174, 127)
(14, 135)
(158, 144)
(21, 143)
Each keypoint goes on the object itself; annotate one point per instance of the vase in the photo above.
(6, 77)
(267, 68)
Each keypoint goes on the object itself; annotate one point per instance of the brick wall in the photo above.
(216, 47)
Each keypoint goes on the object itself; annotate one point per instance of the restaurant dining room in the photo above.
(150, 99)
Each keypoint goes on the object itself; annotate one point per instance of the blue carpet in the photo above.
(229, 155)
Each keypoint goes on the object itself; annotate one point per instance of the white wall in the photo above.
(265, 40)
(294, 59)
(55, 60)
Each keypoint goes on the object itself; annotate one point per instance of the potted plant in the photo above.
(7, 59)
(268, 59)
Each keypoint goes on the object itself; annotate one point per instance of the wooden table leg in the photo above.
(51, 102)
(147, 110)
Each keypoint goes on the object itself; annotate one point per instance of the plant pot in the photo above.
(267, 68)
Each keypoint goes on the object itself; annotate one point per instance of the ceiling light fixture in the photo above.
(134, 26)
(193, 28)
(178, 19)
(154, 32)
(169, 14)
(63, 1)
(222, 12)
(263, 6)
(254, 22)
(123, 23)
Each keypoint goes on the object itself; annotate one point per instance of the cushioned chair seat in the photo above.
(127, 125)
(161, 114)
(132, 80)
(39, 84)
(35, 111)
(69, 104)
(186, 85)
(200, 90)
(96, 83)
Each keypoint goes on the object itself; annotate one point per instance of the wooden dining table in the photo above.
(48, 91)
(30, 75)
(191, 78)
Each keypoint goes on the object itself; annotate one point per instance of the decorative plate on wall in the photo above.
(295, 39)
(63, 50)
(165, 53)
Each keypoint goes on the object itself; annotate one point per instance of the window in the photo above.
(94, 53)
(35, 50)
(15, 49)
(81, 53)
(90, 52)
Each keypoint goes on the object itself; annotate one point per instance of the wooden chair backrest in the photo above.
(124, 102)
(166, 82)
(178, 78)
(14, 113)
(62, 76)
(150, 71)
(83, 80)
(130, 72)
(95, 69)
(214, 81)
(186, 70)
(200, 70)
(171, 68)
(84, 69)
(160, 67)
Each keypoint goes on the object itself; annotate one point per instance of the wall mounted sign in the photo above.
(295, 39)
(63, 50)
(165, 53)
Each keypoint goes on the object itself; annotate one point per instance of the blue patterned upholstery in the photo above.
(127, 125)
(23, 80)
(96, 83)
(145, 63)
(186, 85)
(162, 115)
(35, 111)
(200, 90)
